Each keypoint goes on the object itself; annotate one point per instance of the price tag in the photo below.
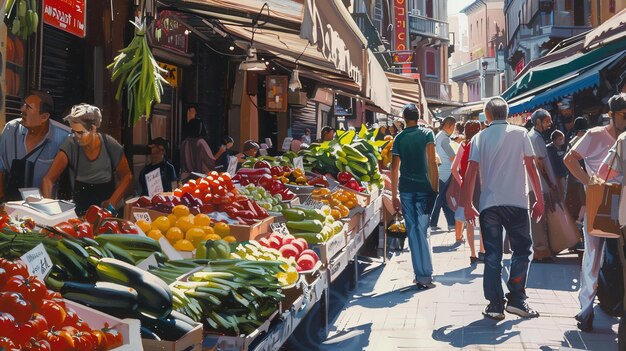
(313, 204)
(148, 263)
(297, 163)
(232, 165)
(38, 262)
(280, 228)
(142, 216)
(153, 182)
(287, 143)
(268, 141)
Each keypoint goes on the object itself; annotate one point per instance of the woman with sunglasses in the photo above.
(94, 160)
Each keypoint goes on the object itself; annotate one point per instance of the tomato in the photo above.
(214, 174)
(4, 276)
(56, 297)
(59, 340)
(84, 341)
(15, 304)
(17, 267)
(37, 345)
(31, 288)
(113, 337)
(31, 329)
(71, 318)
(54, 313)
(100, 340)
(6, 343)
(7, 325)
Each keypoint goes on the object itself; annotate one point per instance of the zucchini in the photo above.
(168, 328)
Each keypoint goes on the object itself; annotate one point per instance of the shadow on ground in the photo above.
(480, 332)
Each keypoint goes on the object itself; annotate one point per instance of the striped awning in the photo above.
(405, 90)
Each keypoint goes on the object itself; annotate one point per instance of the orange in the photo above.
(185, 223)
(212, 237)
(174, 234)
(172, 217)
(161, 223)
(154, 234)
(230, 239)
(195, 235)
(343, 210)
(350, 204)
(221, 229)
(184, 245)
(144, 226)
(336, 214)
(208, 229)
(180, 211)
(202, 220)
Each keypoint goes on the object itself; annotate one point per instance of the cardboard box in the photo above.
(375, 205)
(129, 328)
(247, 232)
(292, 294)
(353, 222)
(236, 343)
(372, 224)
(330, 248)
(191, 341)
(355, 243)
(337, 265)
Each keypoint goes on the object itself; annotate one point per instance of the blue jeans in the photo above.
(440, 204)
(517, 224)
(416, 221)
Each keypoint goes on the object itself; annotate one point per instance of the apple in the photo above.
(311, 253)
(287, 239)
(305, 263)
(289, 251)
(262, 164)
(265, 242)
(301, 243)
(278, 237)
(274, 243)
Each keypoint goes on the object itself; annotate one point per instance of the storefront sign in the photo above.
(328, 25)
(401, 52)
(169, 32)
(171, 75)
(276, 93)
(67, 15)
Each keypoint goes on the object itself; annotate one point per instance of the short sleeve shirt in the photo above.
(619, 165)
(593, 147)
(410, 146)
(499, 151)
(97, 171)
(445, 152)
(541, 151)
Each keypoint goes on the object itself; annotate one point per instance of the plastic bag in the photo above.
(395, 227)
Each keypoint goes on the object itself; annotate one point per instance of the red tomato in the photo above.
(203, 185)
(199, 194)
(54, 313)
(59, 340)
(84, 341)
(4, 276)
(17, 267)
(31, 329)
(31, 288)
(100, 340)
(71, 318)
(6, 343)
(178, 192)
(39, 322)
(214, 174)
(37, 345)
(13, 303)
(225, 176)
(7, 325)
(56, 297)
(113, 337)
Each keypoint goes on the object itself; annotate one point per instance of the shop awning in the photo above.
(552, 71)
(405, 90)
(585, 78)
(613, 29)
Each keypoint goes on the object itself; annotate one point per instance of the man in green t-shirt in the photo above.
(414, 159)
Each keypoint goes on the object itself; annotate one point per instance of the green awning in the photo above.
(558, 69)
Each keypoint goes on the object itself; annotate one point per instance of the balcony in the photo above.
(436, 89)
(472, 69)
(428, 27)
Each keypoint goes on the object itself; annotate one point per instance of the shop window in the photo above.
(15, 75)
(431, 64)
(429, 9)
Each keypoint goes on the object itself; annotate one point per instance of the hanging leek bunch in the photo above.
(136, 70)
(21, 17)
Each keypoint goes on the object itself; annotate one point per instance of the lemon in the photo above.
(211, 237)
(144, 226)
(229, 239)
(292, 276)
(221, 229)
(208, 229)
(202, 219)
(185, 223)
(180, 211)
(195, 235)
(184, 245)
(154, 234)
(174, 234)
(172, 217)
(161, 223)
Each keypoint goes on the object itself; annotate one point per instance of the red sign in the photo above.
(400, 35)
(169, 32)
(520, 65)
(67, 15)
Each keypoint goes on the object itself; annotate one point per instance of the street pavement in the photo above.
(386, 312)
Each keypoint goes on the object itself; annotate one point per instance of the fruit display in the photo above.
(313, 225)
(185, 230)
(285, 160)
(230, 296)
(263, 177)
(292, 248)
(16, 225)
(96, 221)
(256, 251)
(264, 198)
(297, 177)
(385, 154)
(341, 201)
(35, 318)
(358, 156)
(22, 17)
(213, 250)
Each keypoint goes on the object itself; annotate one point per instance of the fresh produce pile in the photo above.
(96, 221)
(16, 225)
(358, 156)
(231, 296)
(385, 155)
(292, 248)
(255, 251)
(285, 160)
(264, 198)
(35, 318)
(21, 17)
(263, 177)
(314, 226)
(341, 201)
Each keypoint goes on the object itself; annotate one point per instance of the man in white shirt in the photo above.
(593, 148)
(542, 121)
(504, 157)
(446, 156)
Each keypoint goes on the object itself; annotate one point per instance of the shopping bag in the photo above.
(395, 227)
(562, 229)
(602, 210)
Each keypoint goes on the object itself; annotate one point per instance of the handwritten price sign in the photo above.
(280, 228)
(38, 262)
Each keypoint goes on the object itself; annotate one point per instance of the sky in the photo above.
(454, 6)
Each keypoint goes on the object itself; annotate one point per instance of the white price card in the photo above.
(287, 143)
(268, 141)
(149, 263)
(232, 165)
(142, 216)
(153, 182)
(297, 163)
(38, 262)
(313, 204)
(280, 228)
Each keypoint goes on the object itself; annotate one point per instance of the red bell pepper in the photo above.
(66, 228)
(95, 215)
(344, 177)
(85, 230)
(109, 227)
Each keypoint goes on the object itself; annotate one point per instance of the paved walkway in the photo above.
(385, 311)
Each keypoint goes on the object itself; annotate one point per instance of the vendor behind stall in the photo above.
(158, 148)
(94, 160)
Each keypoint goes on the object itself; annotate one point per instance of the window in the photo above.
(429, 9)
(431, 64)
